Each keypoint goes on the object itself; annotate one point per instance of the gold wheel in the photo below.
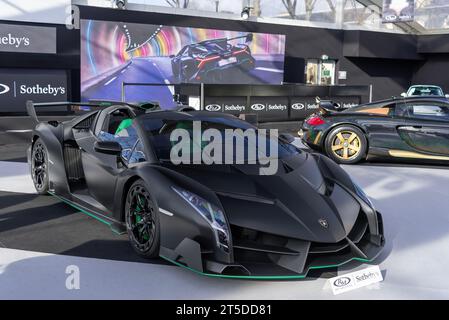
(346, 145)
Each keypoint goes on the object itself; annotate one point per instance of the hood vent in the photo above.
(287, 168)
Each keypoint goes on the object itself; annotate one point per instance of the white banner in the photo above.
(49, 11)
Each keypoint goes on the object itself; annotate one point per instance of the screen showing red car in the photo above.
(113, 53)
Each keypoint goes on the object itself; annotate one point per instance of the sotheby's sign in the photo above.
(19, 85)
(30, 39)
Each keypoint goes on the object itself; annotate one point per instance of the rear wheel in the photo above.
(142, 220)
(346, 144)
(39, 167)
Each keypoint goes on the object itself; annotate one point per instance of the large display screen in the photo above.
(113, 53)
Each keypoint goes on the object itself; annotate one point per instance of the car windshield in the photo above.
(160, 130)
(425, 91)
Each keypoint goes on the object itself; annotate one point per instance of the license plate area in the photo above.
(224, 62)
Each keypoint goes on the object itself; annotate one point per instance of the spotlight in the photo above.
(245, 13)
(120, 4)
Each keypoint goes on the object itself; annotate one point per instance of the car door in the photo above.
(426, 129)
(101, 170)
(381, 122)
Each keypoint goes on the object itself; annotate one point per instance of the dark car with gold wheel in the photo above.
(402, 128)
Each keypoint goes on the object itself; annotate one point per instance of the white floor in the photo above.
(413, 200)
(15, 177)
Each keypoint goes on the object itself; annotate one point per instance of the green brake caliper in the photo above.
(139, 208)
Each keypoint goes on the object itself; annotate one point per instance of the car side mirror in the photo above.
(403, 94)
(287, 137)
(171, 56)
(108, 147)
(249, 37)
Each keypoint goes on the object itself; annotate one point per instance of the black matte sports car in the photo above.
(226, 220)
(413, 128)
(207, 61)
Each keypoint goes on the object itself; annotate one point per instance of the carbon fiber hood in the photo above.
(295, 202)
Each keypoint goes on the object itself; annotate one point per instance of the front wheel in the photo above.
(39, 167)
(142, 220)
(346, 144)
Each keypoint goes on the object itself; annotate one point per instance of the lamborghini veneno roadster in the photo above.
(220, 220)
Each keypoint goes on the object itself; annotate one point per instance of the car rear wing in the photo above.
(86, 106)
(248, 37)
(326, 106)
(71, 106)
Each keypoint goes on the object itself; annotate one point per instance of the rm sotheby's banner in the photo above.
(398, 10)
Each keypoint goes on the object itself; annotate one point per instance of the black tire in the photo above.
(142, 220)
(346, 144)
(39, 167)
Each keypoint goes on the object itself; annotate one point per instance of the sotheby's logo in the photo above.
(234, 107)
(16, 42)
(42, 90)
(4, 88)
(19, 89)
(276, 106)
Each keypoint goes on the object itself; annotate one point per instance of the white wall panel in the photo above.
(48, 11)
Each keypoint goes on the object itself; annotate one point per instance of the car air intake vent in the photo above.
(72, 160)
(287, 168)
(359, 228)
(53, 123)
(186, 109)
(316, 247)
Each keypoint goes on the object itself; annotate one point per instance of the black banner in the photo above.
(19, 85)
(274, 108)
(302, 107)
(233, 105)
(269, 108)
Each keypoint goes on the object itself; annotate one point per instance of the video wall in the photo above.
(115, 52)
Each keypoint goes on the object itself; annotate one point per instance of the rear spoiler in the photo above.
(326, 106)
(143, 105)
(77, 106)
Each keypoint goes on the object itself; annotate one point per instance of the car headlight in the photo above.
(211, 213)
(363, 195)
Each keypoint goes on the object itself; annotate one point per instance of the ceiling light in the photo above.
(245, 13)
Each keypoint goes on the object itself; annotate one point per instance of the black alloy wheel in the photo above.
(142, 220)
(39, 167)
